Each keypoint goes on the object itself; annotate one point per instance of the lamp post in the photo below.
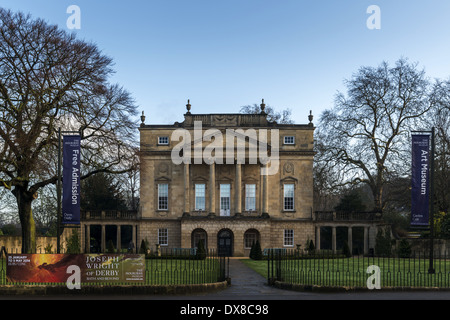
(431, 267)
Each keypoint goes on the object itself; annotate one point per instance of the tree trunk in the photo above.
(24, 199)
(378, 199)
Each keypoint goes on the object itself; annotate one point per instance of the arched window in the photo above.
(250, 237)
(197, 235)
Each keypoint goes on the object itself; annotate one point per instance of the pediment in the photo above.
(289, 179)
(200, 179)
(163, 179)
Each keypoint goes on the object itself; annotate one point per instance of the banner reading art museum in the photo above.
(71, 180)
(420, 184)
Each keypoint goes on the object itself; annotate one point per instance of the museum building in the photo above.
(221, 193)
(229, 180)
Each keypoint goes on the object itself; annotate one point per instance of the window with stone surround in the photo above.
(163, 196)
(250, 237)
(200, 196)
(225, 199)
(289, 140)
(163, 141)
(288, 198)
(288, 238)
(163, 237)
(250, 197)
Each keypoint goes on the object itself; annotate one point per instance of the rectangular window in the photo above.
(288, 197)
(289, 140)
(224, 199)
(250, 197)
(288, 238)
(163, 237)
(163, 141)
(163, 196)
(200, 197)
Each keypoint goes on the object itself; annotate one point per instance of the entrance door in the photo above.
(225, 243)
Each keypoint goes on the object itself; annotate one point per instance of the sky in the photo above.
(222, 55)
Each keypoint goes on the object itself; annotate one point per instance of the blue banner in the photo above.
(420, 184)
(71, 180)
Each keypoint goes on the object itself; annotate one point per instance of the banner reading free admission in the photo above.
(71, 180)
(420, 184)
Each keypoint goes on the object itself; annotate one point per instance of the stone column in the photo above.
(119, 241)
(133, 239)
(238, 189)
(265, 190)
(317, 238)
(366, 240)
(333, 239)
(186, 189)
(212, 188)
(350, 239)
(103, 246)
(87, 240)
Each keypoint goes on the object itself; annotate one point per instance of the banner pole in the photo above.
(431, 195)
(58, 191)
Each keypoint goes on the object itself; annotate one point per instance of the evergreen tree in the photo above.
(101, 192)
(255, 251)
(310, 246)
(404, 249)
(351, 202)
(346, 250)
(383, 243)
(111, 248)
(201, 250)
(73, 244)
(143, 248)
(445, 227)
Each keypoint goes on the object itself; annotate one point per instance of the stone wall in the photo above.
(238, 227)
(148, 231)
(13, 244)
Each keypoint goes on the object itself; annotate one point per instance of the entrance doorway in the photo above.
(225, 243)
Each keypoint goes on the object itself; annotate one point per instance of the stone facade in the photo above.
(218, 191)
(229, 180)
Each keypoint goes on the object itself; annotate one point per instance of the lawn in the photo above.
(394, 272)
(181, 271)
(259, 266)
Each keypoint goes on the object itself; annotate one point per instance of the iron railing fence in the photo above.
(164, 267)
(185, 266)
(336, 270)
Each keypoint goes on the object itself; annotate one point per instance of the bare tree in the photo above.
(440, 120)
(283, 116)
(363, 138)
(50, 80)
